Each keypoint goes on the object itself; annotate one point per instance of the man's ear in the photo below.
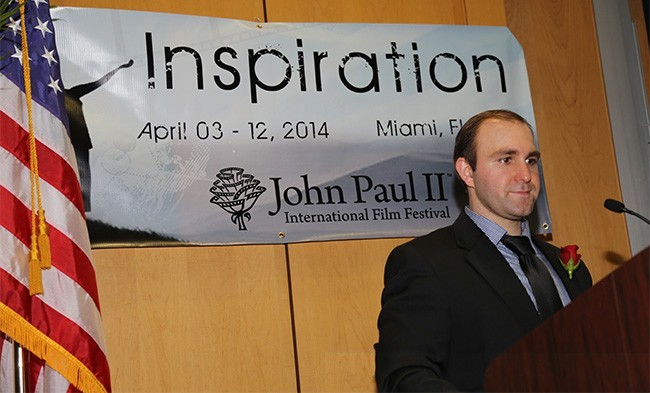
(465, 171)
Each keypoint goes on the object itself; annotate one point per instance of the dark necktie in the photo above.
(544, 290)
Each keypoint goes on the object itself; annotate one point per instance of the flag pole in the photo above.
(20, 369)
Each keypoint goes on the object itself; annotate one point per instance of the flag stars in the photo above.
(42, 26)
(14, 25)
(54, 85)
(49, 56)
(38, 2)
(18, 54)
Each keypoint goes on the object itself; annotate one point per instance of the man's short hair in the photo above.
(465, 145)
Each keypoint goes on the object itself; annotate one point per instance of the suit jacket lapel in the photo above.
(486, 259)
(553, 255)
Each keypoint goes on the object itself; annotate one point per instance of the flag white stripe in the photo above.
(59, 211)
(60, 292)
(49, 381)
(6, 366)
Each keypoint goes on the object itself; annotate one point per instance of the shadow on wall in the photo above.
(103, 235)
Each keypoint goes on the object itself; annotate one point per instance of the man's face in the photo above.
(505, 184)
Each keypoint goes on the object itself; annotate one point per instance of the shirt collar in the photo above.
(492, 230)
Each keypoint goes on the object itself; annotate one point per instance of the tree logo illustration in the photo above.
(236, 192)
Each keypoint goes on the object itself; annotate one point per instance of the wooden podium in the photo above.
(598, 343)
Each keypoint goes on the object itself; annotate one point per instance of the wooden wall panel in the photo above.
(337, 285)
(336, 293)
(235, 9)
(188, 319)
(367, 11)
(561, 48)
(486, 12)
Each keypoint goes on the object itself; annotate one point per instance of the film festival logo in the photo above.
(236, 192)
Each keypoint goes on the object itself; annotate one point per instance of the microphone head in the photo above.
(615, 206)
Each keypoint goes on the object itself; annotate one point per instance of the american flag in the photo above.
(62, 327)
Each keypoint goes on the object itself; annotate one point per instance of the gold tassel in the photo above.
(35, 278)
(44, 242)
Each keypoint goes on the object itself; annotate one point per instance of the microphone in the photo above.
(619, 207)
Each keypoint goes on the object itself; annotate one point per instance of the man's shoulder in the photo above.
(440, 234)
(424, 252)
(441, 241)
(448, 235)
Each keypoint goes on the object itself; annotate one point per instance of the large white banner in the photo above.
(214, 131)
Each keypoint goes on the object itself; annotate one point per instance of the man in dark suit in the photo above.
(456, 298)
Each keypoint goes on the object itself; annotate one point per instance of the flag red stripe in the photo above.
(51, 167)
(56, 326)
(12, 216)
(67, 257)
(73, 262)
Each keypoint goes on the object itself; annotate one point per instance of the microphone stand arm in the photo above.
(638, 215)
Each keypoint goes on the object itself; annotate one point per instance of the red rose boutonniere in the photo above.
(570, 258)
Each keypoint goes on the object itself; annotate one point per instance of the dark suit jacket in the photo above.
(450, 305)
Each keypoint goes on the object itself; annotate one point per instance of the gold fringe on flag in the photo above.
(40, 255)
(43, 347)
